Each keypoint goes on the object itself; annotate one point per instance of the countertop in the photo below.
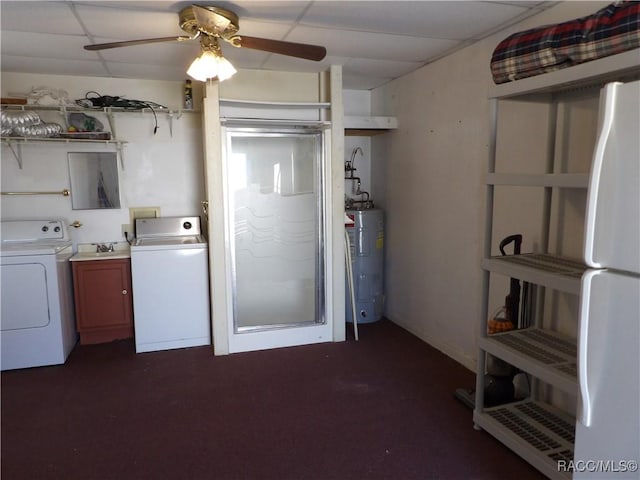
(87, 251)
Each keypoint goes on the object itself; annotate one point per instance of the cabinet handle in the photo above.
(124, 292)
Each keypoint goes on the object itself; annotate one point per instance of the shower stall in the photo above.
(275, 209)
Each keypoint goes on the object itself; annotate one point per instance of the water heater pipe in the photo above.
(352, 296)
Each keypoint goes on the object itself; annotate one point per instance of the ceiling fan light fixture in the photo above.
(211, 63)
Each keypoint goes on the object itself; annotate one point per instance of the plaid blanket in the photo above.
(614, 29)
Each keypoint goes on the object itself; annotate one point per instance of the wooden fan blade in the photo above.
(128, 43)
(300, 50)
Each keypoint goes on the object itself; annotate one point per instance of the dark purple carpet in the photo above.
(380, 408)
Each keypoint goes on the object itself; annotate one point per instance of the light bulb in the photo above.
(211, 65)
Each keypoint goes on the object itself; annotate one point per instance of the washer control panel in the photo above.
(167, 227)
(33, 230)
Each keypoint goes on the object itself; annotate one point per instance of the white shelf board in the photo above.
(562, 180)
(595, 72)
(263, 104)
(539, 433)
(78, 108)
(252, 109)
(370, 123)
(547, 355)
(24, 140)
(552, 271)
(19, 141)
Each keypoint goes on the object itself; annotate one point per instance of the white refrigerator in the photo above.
(607, 443)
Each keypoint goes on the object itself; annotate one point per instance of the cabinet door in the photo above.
(103, 293)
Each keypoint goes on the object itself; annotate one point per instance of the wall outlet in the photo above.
(142, 212)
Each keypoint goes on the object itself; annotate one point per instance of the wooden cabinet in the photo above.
(103, 300)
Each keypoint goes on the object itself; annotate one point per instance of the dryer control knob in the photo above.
(45, 229)
(187, 225)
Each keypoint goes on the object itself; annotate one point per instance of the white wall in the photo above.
(163, 170)
(429, 175)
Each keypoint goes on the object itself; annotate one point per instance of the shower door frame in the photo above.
(281, 335)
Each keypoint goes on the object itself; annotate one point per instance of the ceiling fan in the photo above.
(209, 24)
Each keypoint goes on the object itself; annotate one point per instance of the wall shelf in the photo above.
(366, 126)
(106, 110)
(63, 110)
(260, 110)
(15, 145)
(229, 102)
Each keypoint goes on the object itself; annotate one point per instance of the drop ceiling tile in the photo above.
(51, 17)
(452, 20)
(52, 66)
(526, 3)
(347, 43)
(291, 64)
(146, 5)
(157, 72)
(362, 82)
(272, 30)
(244, 57)
(177, 54)
(282, 11)
(43, 45)
(123, 24)
(380, 68)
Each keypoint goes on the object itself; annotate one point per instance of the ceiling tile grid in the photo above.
(374, 41)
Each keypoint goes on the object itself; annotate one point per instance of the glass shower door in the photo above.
(275, 219)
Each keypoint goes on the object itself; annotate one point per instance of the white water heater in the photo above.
(366, 236)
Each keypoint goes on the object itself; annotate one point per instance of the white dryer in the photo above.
(170, 274)
(37, 318)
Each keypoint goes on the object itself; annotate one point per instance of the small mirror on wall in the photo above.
(94, 180)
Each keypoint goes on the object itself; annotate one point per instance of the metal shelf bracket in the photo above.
(16, 150)
(120, 150)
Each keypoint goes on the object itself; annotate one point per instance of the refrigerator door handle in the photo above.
(607, 108)
(583, 347)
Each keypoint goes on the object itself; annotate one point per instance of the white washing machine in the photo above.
(170, 274)
(37, 314)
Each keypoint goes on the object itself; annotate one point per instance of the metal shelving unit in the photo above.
(540, 433)
(545, 354)
(553, 271)
(15, 143)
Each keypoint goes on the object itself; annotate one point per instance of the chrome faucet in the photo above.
(350, 165)
(102, 248)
